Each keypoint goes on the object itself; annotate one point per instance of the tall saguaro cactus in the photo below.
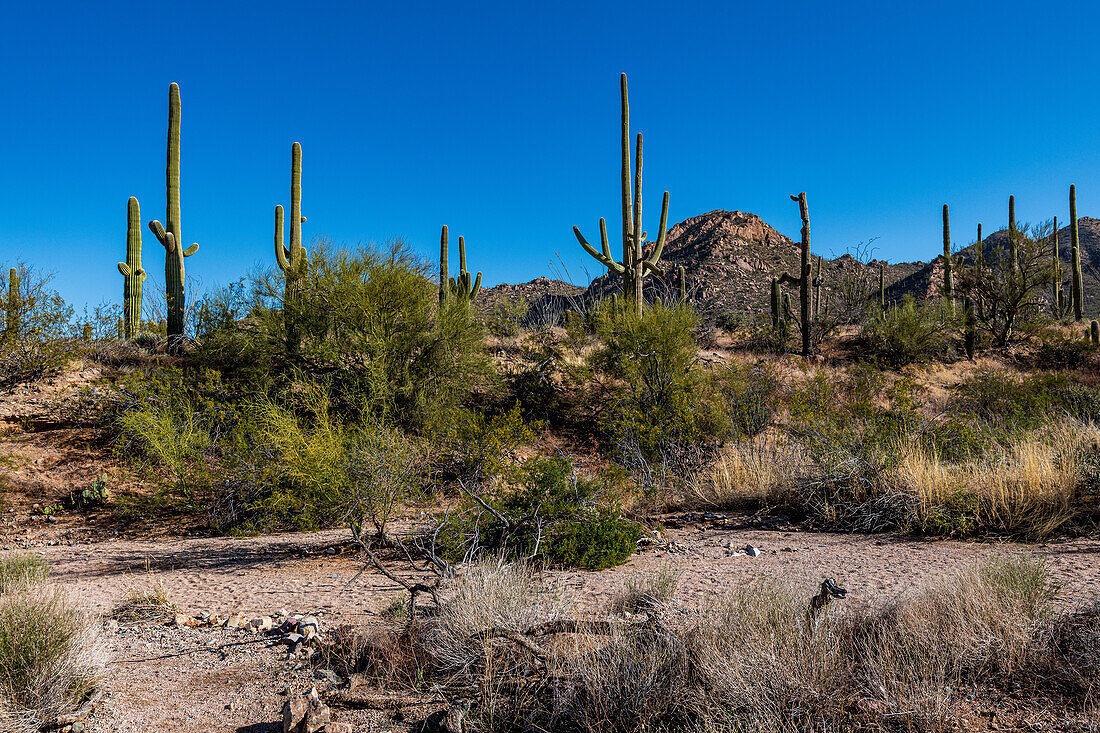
(132, 272)
(979, 250)
(14, 306)
(1058, 297)
(948, 277)
(805, 324)
(1013, 243)
(635, 266)
(882, 286)
(293, 259)
(168, 234)
(776, 304)
(1077, 289)
(465, 286)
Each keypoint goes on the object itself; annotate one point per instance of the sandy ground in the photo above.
(243, 689)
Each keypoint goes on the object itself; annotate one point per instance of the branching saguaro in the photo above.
(169, 233)
(803, 281)
(293, 260)
(132, 272)
(635, 266)
(465, 286)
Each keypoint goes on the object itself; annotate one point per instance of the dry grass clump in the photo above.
(145, 602)
(754, 661)
(51, 657)
(18, 570)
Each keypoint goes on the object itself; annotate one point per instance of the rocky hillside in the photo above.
(927, 280)
(729, 259)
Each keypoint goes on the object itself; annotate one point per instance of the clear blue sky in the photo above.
(501, 120)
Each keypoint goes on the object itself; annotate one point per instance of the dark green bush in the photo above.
(1013, 403)
(551, 515)
(1059, 350)
(731, 321)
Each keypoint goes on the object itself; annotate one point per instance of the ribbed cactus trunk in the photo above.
(14, 305)
(776, 304)
(292, 259)
(1057, 299)
(444, 266)
(169, 233)
(970, 336)
(787, 312)
(948, 277)
(804, 277)
(1013, 244)
(1077, 289)
(979, 250)
(132, 272)
(882, 286)
(1094, 333)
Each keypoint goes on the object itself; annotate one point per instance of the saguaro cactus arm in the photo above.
(604, 258)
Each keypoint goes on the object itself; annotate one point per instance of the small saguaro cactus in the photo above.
(1013, 243)
(1094, 333)
(13, 305)
(817, 288)
(683, 284)
(979, 250)
(882, 286)
(293, 259)
(132, 272)
(805, 322)
(168, 234)
(465, 286)
(1057, 297)
(635, 267)
(1077, 289)
(970, 336)
(948, 278)
(776, 304)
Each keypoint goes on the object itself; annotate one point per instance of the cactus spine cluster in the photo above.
(635, 266)
(465, 287)
(948, 277)
(169, 233)
(803, 281)
(293, 260)
(132, 272)
(1077, 290)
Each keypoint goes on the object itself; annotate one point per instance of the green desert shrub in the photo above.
(36, 333)
(18, 570)
(482, 444)
(1016, 403)
(911, 332)
(546, 513)
(731, 321)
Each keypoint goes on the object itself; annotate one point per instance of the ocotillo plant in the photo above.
(1077, 289)
(776, 304)
(635, 267)
(970, 335)
(464, 287)
(13, 304)
(169, 233)
(948, 279)
(293, 260)
(132, 272)
(683, 284)
(805, 323)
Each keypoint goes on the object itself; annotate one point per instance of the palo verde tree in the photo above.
(636, 266)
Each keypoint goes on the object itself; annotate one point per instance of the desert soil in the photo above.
(172, 679)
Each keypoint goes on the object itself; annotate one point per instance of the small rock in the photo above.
(328, 676)
(183, 620)
(339, 728)
(330, 551)
(264, 623)
(751, 551)
(305, 713)
(307, 623)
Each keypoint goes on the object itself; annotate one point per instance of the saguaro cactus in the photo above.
(1077, 289)
(1013, 244)
(132, 272)
(1057, 297)
(805, 324)
(817, 287)
(948, 279)
(634, 267)
(1094, 333)
(776, 304)
(979, 250)
(168, 234)
(882, 286)
(970, 334)
(683, 284)
(14, 304)
(465, 286)
(293, 260)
